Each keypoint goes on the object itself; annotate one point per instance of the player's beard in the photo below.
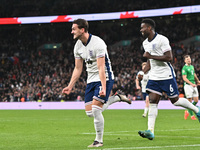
(78, 36)
(145, 35)
(188, 63)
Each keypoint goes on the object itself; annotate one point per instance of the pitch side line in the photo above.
(152, 147)
(138, 135)
(137, 131)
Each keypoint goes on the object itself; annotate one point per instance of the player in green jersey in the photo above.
(190, 84)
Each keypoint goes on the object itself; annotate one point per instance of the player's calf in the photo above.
(89, 113)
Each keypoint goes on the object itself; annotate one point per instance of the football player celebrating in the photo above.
(161, 76)
(100, 77)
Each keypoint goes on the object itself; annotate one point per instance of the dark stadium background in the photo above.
(36, 61)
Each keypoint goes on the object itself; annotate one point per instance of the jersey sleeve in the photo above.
(165, 46)
(139, 73)
(100, 48)
(76, 55)
(144, 47)
(183, 71)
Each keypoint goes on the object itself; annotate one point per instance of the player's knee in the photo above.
(96, 110)
(89, 113)
(174, 100)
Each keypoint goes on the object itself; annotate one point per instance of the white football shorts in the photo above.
(191, 91)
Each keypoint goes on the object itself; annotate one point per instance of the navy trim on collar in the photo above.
(90, 35)
(154, 36)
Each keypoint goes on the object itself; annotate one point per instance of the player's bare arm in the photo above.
(137, 84)
(166, 57)
(196, 79)
(102, 75)
(75, 76)
(187, 81)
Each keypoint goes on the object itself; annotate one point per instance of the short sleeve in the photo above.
(100, 48)
(165, 46)
(139, 73)
(76, 55)
(183, 71)
(146, 46)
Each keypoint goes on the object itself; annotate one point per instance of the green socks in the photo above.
(190, 111)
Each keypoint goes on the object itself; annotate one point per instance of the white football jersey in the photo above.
(160, 70)
(94, 49)
(144, 80)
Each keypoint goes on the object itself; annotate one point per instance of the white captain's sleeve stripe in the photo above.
(166, 50)
(100, 56)
(77, 57)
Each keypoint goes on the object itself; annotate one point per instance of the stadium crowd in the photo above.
(29, 72)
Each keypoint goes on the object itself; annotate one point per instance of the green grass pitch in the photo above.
(73, 130)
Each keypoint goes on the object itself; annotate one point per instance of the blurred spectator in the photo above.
(40, 74)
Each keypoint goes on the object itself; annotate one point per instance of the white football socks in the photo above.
(153, 112)
(98, 122)
(89, 113)
(111, 100)
(186, 104)
(146, 110)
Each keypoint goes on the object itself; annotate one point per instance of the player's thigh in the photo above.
(154, 98)
(195, 94)
(94, 102)
(97, 103)
(188, 89)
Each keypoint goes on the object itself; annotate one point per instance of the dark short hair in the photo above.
(150, 22)
(186, 56)
(82, 23)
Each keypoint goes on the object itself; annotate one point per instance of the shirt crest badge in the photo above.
(90, 53)
(154, 46)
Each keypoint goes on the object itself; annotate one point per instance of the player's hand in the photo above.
(198, 83)
(102, 93)
(147, 55)
(67, 90)
(138, 87)
(194, 85)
